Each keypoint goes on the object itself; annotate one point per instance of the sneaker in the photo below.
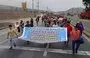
(14, 45)
(76, 52)
(27, 42)
(73, 53)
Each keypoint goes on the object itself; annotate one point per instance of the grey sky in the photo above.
(55, 5)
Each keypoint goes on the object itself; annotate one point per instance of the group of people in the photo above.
(15, 30)
(73, 34)
(53, 21)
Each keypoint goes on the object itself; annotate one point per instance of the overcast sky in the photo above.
(55, 5)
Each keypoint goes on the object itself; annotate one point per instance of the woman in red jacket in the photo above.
(75, 36)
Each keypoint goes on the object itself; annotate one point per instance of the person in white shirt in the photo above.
(54, 24)
(17, 26)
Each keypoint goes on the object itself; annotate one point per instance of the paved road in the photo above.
(35, 50)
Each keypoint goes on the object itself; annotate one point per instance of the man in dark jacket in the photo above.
(27, 24)
(31, 22)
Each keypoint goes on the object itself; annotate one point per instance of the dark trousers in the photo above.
(18, 28)
(37, 23)
(68, 39)
(75, 46)
(49, 22)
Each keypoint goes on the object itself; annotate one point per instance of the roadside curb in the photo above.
(3, 28)
(86, 38)
(87, 34)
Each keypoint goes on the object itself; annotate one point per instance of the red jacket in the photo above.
(75, 34)
(69, 28)
(49, 19)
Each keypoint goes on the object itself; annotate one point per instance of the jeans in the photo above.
(75, 46)
(68, 39)
(12, 42)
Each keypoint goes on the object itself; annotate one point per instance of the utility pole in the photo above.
(38, 6)
(32, 4)
(33, 7)
(47, 10)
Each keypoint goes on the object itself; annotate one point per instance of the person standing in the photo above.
(31, 22)
(75, 37)
(54, 24)
(17, 27)
(42, 19)
(49, 20)
(27, 24)
(69, 29)
(47, 25)
(12, 34)
(37, 20)
(80, 27)
(21, 26)
(45, 22)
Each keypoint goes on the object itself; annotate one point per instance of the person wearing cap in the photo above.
(75, 37)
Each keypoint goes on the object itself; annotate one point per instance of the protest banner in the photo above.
(44, 34)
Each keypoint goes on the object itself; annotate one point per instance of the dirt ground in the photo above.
(13, 15)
